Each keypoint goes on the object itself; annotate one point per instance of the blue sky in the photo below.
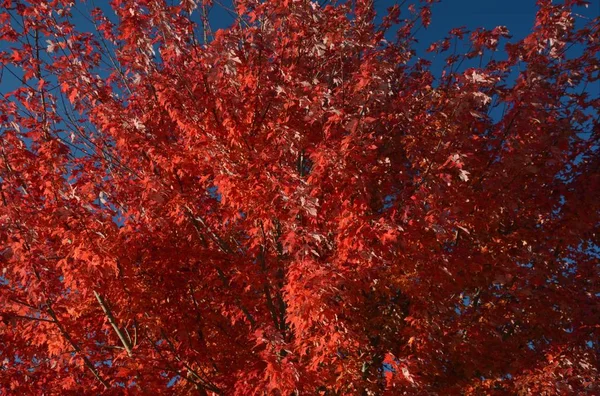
(517, 15)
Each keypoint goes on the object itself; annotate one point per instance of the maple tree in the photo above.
(297, 204)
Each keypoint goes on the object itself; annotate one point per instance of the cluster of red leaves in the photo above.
(296, 204)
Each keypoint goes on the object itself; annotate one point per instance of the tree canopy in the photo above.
(298, 204)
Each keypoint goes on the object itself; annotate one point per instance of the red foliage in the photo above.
(296, 204)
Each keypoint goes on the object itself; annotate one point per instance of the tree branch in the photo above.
(196, 221)
(76, 347)
(111, 319)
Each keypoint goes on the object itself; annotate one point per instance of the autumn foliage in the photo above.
(299, 204)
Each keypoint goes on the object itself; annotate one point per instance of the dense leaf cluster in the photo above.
(296, 204)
